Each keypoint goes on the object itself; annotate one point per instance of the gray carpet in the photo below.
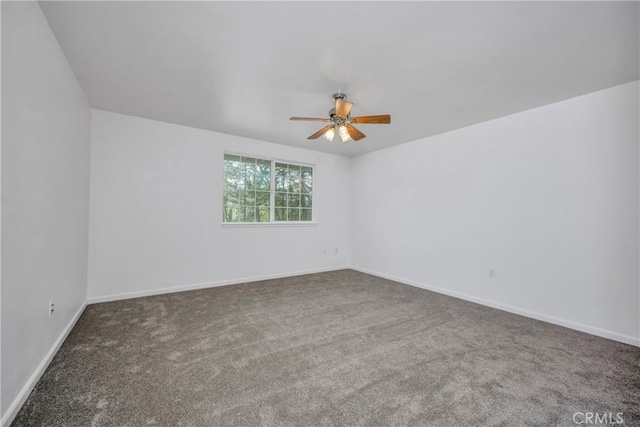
(330, 349)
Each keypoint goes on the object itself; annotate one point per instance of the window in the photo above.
(263, 191)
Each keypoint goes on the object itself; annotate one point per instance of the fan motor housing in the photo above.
(332, 112)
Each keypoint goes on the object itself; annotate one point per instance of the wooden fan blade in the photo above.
(309, 119)
(383, 119)
(355, 134)
(320, 132)
(343, 107)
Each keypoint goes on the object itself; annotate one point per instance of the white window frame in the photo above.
(272, 194)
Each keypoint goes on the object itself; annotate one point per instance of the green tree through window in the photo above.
(248, 195)
(293, 192)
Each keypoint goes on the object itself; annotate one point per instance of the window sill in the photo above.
(268, 224)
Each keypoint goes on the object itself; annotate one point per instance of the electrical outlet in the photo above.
(51, 307)
(324, 252)
(492, 273)
(336, 250)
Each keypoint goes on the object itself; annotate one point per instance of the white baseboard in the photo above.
(170, 290)
(14, 408)
(627, 339)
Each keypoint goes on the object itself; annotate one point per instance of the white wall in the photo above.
(155, 217)
(45, 196)
(547, 197)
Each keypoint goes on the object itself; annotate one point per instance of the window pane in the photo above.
(232, 170)
(293, 214)
(241, 197)
(238, 214)
(263, 198)
(262, 215)
(307, 180)
(281, 199)
(294, 200)
(281, 214)
(230, 197)
(305, 214)
(249, 198)
(263, 175)
(305, 188)
(249, 172)
(238, 174)
(281, 177)
(229, 183)
(305, 201)
(249, 214)
(294, 179)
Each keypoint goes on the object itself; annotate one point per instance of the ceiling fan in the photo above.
(340, 121)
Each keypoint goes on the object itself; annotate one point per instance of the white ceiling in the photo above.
(244, 68)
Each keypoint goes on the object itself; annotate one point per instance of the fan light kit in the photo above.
(341, 121)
